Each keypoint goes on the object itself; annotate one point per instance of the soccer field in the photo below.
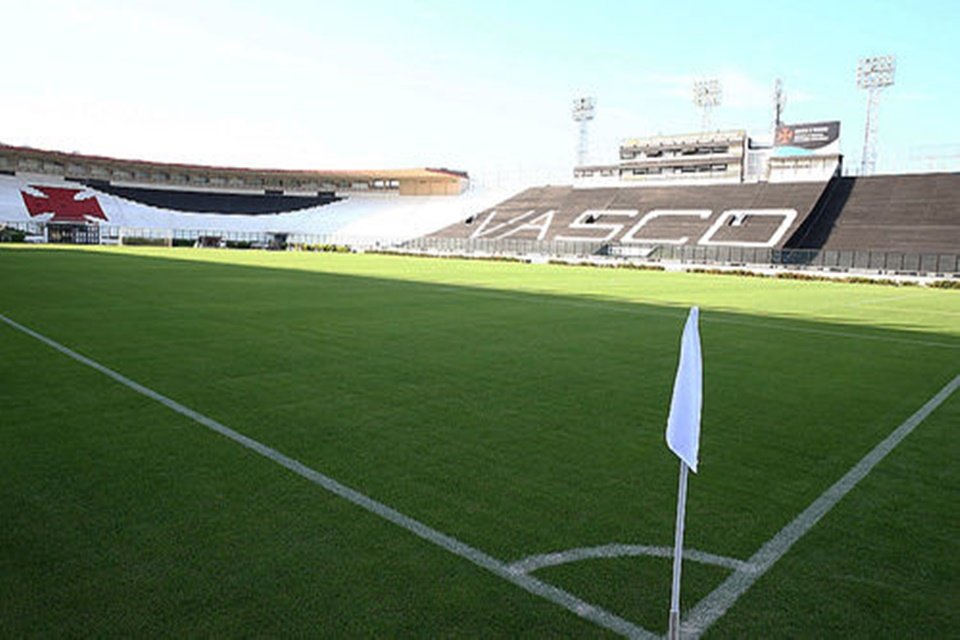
(207, 442)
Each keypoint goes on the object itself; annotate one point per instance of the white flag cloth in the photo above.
(683, 424)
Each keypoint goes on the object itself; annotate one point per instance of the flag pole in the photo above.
(674, 626)
(683, 438)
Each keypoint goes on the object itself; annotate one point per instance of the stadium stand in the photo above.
(76, 198)
(759, 214)
(214, 201)
(904, 213)
(56, 202)
(399, 219)
(118, 172)
(56, 195)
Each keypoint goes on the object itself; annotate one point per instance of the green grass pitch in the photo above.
(517, 408)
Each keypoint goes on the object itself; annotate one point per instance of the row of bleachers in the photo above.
(527, 216)
(35, 199)
(912, 213)
(214, 201)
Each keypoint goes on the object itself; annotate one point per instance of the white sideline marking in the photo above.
(537, 562)
(698, 620)
(545, 590)
(719, 601)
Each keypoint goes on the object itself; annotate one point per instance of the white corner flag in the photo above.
(683, 424)
(683, 438)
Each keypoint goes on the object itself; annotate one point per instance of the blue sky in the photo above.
(471, 85)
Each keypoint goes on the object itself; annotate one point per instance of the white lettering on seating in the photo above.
(581, 223)
(789, 215)
(630, 236)
(482, 231)
(540, 224)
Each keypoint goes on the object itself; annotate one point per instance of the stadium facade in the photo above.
(722, 197)
(712, 197)
(72, 197)
(800, 153)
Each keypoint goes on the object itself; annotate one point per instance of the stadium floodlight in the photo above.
(706, 95)
(584, 110)
(876, 72)
(873, 74)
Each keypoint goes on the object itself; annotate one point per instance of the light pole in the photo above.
(873, 74)
(584, 110)
(706, 95)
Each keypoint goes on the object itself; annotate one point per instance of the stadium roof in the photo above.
(46, 161)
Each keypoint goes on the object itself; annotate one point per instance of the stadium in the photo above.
(707, 198)
(244, 401)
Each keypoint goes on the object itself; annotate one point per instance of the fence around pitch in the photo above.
(889, 261)
(863, 260)
(858, 260)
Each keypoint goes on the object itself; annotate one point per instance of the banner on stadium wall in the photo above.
(823, 137)
(53, 200)
(49, 199)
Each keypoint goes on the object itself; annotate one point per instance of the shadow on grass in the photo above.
(820, 307)
(518, 421)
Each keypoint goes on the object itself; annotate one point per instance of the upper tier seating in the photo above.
(214, 201)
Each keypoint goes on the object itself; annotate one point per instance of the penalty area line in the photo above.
(718, 602)
(483, 560)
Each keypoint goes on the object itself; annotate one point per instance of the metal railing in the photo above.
(823, 259)
(753, 257)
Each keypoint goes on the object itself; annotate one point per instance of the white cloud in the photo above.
(740, 91)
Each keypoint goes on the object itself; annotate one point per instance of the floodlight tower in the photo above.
(706, 95)
(873, 74)
(584, 110)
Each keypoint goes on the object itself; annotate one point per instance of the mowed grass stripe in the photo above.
(460, 394)
(703, 609)
(448, 543)
(122, 520)
(911, 309)
(520, 425)
(882, 563)
(714, 606)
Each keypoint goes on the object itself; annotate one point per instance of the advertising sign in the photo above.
(810, 135)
